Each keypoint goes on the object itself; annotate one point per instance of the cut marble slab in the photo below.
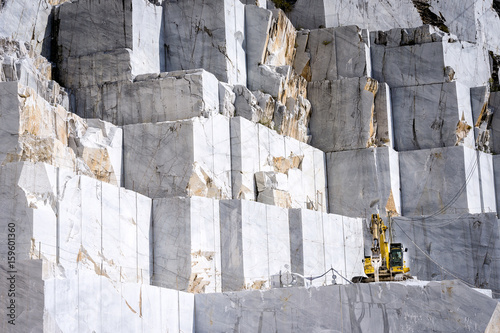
(494, 126)
(333, 54)
(429, 63)
(33, 130)
(496, 174)
(76, 221)
(186, 244)
(209, 35)
(365, 307)
(471, 259)
(320, 241)
(343, 114)
(474, 21)
(255, 244)
(256, 148)
(83, 301)
(364, 181)
(97, 69)
(432, 116)
(183, 158)
(440, 180)
(487, 182)
(86, 27)
(373, 15)
(151, 98)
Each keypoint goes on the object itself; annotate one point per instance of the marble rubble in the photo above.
(212, 165)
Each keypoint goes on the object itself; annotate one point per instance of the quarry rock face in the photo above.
(212, 166)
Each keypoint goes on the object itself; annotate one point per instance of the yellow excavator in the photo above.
(386, 262)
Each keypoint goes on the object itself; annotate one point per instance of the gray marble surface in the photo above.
(426, 116)
(333, 53)
(133, 24)
(183, 158)
(150, 99)
(186, 244)
(207, 35)
(364, 181)
(375, 307)
(342, 113)
(249, 259)
(460, 246)
(440, 180)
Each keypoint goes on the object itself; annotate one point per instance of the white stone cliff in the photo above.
(166, 165)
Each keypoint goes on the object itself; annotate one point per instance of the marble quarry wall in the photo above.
(212, 166)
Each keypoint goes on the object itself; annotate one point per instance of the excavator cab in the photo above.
(396, 255)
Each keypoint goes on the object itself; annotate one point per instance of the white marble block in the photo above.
(34, 130)
(320, 241)
(430, 62)
(258, 149)
(96, 69)
(255, 244)
(151, 98)
(186, 244)
(496, 173)
(333, 54)
(87, 27)
(377, 14)
(76, 221)
(440, 180)
(209, 35)
(343, 114)
(494, 126)
(363, 182)
(487, 182)
(183, 158)
(474, 21)
(432, 116)
(83, 301)
(438, 235)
